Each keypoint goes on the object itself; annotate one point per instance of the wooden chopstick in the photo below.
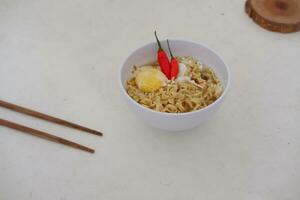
(44, 135)
(49, 118)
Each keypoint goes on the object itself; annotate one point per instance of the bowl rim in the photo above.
(174, 114)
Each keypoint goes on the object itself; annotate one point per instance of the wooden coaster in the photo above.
(275, 15)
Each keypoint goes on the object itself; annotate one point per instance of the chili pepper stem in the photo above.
(169, 49)
(158, 42)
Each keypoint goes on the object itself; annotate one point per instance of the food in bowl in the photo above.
(195, 86)
(180, 85)
(146, 53)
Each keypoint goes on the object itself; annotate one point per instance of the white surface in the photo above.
(62, 57)
(170, 121)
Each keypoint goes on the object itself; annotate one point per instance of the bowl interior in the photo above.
(147, 53)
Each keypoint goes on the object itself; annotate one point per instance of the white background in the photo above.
(62, 58)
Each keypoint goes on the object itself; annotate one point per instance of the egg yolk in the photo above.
(149, 79)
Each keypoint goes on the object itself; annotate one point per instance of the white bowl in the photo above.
(174, 121)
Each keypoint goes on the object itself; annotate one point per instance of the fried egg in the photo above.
(149, 78)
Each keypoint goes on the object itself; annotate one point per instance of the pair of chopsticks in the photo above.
(42, 134)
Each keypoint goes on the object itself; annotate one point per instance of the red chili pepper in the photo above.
(162, 59)
(174, 66)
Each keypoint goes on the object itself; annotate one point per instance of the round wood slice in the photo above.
(275, 15)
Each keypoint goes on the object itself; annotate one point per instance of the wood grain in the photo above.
(46, 117)
(275, 15)
(44, 135)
